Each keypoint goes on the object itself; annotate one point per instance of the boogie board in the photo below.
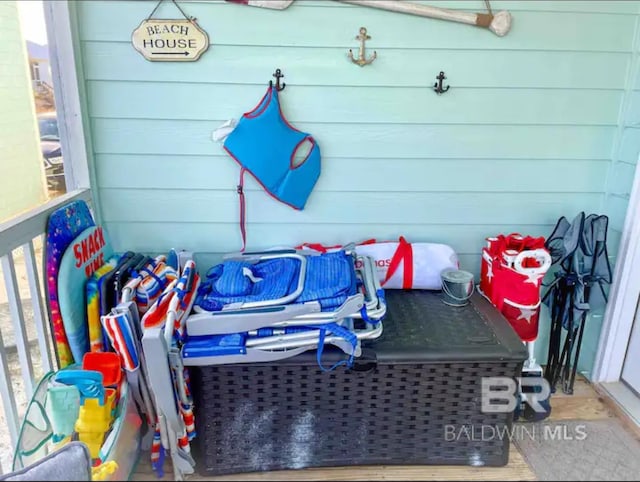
(88, 252)
(63, 226)
(93, 304)
(106, 295)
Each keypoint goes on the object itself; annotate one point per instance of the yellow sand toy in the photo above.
(96, 408)
(94, 419)
(104, 471)
(112, 428)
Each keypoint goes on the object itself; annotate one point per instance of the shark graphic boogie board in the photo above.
(89, 251)
(63, 226)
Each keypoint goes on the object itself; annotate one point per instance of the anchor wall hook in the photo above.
(438, 85)
(362, 60)
(277, 74)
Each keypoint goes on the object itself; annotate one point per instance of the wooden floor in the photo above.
(585, 404)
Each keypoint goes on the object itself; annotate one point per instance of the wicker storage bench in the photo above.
(414, 397)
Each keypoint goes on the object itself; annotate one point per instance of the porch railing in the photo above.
(28, 329)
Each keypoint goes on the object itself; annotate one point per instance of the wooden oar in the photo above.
(500, 23)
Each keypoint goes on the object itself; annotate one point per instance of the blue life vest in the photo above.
(265, 144)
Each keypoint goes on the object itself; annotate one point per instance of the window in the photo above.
(35, 71)
(48, 126)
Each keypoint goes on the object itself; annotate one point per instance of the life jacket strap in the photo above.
(240, 189)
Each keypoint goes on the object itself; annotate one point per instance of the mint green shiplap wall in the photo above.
(626, 149)
(525, 135)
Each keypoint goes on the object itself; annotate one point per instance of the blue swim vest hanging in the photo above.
(265, 144)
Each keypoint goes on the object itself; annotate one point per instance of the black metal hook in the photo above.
(438, 85)
(278, 73)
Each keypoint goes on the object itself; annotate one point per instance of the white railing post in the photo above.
(38, 311)
(15, 233)
(8, 397)
(17, 317)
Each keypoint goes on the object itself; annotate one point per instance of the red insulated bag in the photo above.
(511, 273)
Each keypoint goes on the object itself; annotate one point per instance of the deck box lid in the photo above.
(420, 327)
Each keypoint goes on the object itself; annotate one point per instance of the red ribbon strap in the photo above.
(404, 255)
(368, 241)
(321, 248)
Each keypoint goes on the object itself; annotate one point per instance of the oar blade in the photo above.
(272, 4)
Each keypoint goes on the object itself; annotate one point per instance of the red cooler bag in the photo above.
(511, 273)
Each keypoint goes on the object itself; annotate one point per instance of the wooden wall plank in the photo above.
(617, 209)
(632, 111)
(355, 207)
(219, 171)
(143, 136)
(621, 180)
(148, 236)
(629, 145)
(322, 66)
(185, 101)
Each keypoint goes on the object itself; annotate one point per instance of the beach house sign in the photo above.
(170, 40)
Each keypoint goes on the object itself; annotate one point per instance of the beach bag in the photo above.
(51, 420)
(511, 272)
(404, 265)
